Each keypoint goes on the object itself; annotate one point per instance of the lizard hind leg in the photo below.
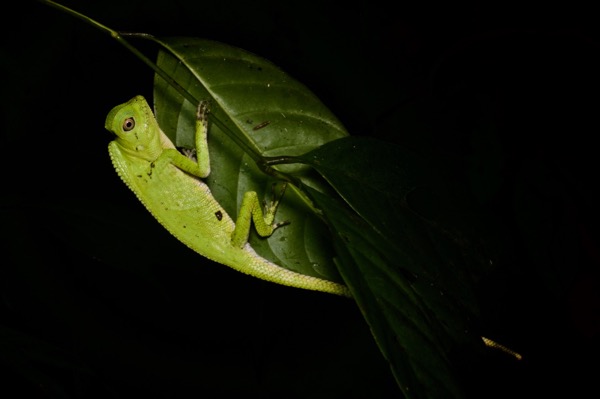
(251, 211)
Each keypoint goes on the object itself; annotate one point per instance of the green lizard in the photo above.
(169, 185)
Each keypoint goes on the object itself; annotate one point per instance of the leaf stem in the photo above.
(281, 160)
(119, 38)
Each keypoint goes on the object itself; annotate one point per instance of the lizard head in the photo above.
(136, 129)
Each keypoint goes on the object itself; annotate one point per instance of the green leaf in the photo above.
(405, 258)
(255, 109)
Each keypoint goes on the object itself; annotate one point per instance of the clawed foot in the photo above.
(271, 207)
(190, 153)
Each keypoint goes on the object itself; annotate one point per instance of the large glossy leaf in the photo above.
(405, 258)
(255, 108)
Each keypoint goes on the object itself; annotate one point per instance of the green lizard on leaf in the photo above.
(170, 186)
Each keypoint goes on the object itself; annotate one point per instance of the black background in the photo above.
(505, 94)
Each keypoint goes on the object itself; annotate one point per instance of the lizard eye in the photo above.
(128, 124)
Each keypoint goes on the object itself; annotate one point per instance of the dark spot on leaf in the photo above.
(219, 215)
(261, 125)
